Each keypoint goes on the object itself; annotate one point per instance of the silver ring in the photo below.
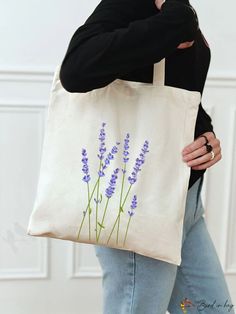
(212, 155)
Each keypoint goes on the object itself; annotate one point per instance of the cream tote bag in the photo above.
(111, 167)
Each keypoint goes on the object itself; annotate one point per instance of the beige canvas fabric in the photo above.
(135, 204)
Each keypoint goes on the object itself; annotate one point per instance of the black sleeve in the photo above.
(204, 122)
(107, 46)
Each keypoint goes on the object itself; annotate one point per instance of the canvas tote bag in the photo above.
(111, 167)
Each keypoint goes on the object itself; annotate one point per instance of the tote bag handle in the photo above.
(159, 73)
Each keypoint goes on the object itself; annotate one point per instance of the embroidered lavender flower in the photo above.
(110, 156)
(126, 147)
(109, 192)
(131, 213)
(112, 184)
(132, 179)
(85, 168)
(102, 148)
(133, 206)
(94, 193)
(139, 161)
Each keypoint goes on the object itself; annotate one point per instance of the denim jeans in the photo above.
(136, 284)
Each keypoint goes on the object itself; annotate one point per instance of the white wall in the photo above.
(50, 276)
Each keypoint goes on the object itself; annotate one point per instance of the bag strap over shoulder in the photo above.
(159, 73)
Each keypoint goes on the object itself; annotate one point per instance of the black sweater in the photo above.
(124, 38)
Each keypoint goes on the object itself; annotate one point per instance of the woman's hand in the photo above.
(186, 44)
(159, 3)
(196, 155)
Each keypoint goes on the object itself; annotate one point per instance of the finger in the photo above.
(201, 151)
(203, 159)
(185, 45)
(200, 141)
(209, 163)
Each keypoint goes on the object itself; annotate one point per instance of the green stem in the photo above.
(126, 230)
(121, 194)
(126, 196)
(97, 200)
(89, 213)
(120, 210)
(88, 206)
(113, 228)
(103, 218)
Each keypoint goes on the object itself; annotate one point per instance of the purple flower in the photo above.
(85, 168)
(139, 161)
(101, 173)
(134, 202)
(112, 184)
(126, 147)
(133, 206)
(110, 156)
(102, 148)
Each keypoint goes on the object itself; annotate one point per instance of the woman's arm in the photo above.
(108, 45)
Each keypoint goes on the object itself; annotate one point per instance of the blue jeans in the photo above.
(136, 284)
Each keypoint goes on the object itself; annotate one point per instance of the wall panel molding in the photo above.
(77, 270)
(230, 253)
(40, 245)
(204, 193)
(9, 104)
(221, 81)
(16, 74)
(42, 272)
(45, 74)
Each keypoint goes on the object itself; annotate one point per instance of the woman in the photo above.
(123, 39)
